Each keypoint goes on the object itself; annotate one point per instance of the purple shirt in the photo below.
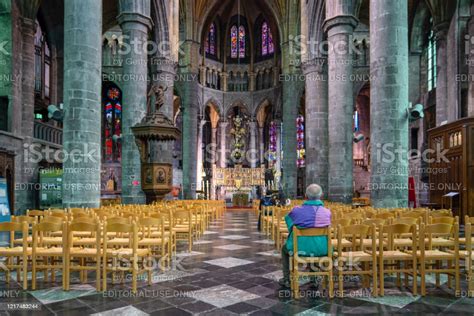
(310, 216)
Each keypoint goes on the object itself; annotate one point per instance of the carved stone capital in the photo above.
(316, 65)
(340, 20)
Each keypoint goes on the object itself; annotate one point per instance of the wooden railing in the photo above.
(48, 133)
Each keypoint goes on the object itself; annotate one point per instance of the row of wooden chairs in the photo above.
(383, 255)
(94, 239)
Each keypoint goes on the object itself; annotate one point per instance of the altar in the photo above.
(239, 183)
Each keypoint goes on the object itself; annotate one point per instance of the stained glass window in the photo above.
(237, 42)
(431, 52)
(272, 150)
(300, 146)
(211, 43)
(112, 124)
(234, 42)
(242, 42)
(356, 121)
(267, 40)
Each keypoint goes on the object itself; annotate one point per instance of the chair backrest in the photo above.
(20, 219)
(52, 219)
(389, 232)
(46, 227)
(442, 220)
(118, 220)
(385, 215)
(310, 232)
(13, 227)
(356, 234)
(406, 220)
(374, 221)
(428, 232)
(93, 228)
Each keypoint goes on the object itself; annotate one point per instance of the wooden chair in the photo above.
(467, 256)
(428, 253)
(76, 250)
(335, 225)
(129, 256)
(20, 253)
(356, 254)
(297, 259)
(37, 215)
(183, 227)
(153, 238)
(46, 254)
(390, 259)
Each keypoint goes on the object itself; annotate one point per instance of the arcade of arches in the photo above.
(311, 114)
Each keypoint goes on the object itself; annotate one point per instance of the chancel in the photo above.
(236, 157)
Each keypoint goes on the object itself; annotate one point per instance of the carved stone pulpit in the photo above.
(157, 178)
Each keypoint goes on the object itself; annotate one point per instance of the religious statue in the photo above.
(238, 132)
(158, 93)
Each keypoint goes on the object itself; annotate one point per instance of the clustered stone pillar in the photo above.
(441, 32)
(341, 98)
(223, 155)
(262, 144)
(389, 102)
(252, 155)
(316, 124)
(82, 102)
(290, 112)
(190, 130)
(27, 197)
(135, 21)
(200, 156)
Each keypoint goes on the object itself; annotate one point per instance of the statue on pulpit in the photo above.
(157, 95)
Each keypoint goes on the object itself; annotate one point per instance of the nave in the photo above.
(232, 270)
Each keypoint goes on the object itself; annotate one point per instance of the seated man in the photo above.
(311, 214)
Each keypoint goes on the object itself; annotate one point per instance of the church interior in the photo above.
(172, 157)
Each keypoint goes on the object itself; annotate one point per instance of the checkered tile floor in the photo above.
(232, 270)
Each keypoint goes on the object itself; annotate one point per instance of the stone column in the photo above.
(190, 99)
(316, 123)
(288, 133)
(26, 198)
(213, 159)
(253, 83)
(134, 19)
(341, 97)
(223, 155)
(82, 102)
(441, 31)
(252, 155)
(199, 155)
(389, 102)
(224, 77)
(214, 146)
(278, 147)
(262, 145)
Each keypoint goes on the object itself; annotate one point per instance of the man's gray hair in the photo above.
(314, 192)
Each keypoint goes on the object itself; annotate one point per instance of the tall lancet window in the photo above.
(211, 42)
(300, 146)
(112, 123)
(432, 56)
(237, 42)
(268, 47)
